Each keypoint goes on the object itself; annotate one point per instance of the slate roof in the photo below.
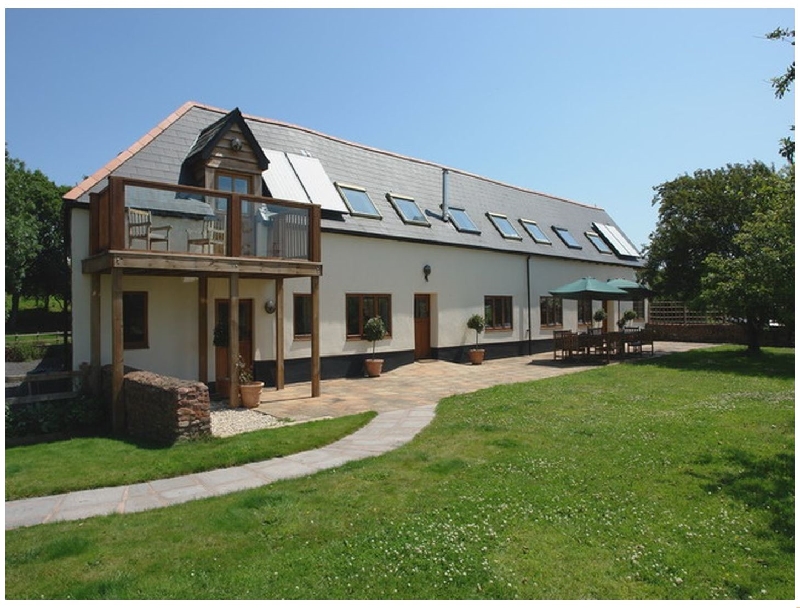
(159, 155)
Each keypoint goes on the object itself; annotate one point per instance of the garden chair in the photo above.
(140, 227)
(211, 236)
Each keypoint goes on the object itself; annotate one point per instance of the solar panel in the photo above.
(618, 243)
(318, 185)
(281, 178)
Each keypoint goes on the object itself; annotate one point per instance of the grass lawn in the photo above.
(80, 464)
(670, 478)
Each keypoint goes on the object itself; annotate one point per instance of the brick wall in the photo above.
(165, 410)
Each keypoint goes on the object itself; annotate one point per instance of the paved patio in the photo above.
(421, 383)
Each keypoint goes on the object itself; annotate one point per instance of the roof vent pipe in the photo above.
(445, 207)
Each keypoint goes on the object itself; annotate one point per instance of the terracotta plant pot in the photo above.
(476, 356)
(251, 394)
(373, 367)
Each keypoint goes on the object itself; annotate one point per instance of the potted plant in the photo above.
(478, 323)
(628, 315)
(249, 389)
(599, 316)
(374, 330)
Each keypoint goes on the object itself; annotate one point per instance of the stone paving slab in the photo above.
(396, 396)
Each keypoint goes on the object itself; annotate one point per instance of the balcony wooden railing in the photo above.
(133, 214)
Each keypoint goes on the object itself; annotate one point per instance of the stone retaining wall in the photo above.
(165, 410)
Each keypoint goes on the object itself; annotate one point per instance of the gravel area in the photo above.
(226, 421)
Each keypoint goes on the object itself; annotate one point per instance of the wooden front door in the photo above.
(422, 326)
(245, 341)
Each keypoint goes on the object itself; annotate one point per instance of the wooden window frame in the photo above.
(301, 336)
(638, 306)
(361, 315)
(128, 343)
(234, 175)
(502, 308)
(546, 303)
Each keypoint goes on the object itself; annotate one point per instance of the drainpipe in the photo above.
(445, 207)
(530, 330)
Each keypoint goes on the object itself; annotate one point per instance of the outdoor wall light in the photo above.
(269, 306)
(426, 270)
(236, 144)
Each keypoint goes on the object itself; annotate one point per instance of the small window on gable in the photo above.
(598, 242)
(462, 221)
(504, 226)
(357, 201)
(568, 239)
(537, 234)
(407, 209)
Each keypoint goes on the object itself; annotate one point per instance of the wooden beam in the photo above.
(95, 316)
(194, 264)
(279, 334)
(117, 213)
(202, 330)
(315, 364)
(117, 354)
(233, 339)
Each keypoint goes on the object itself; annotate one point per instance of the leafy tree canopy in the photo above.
(782, 84)
(725, 237)
(35, 262)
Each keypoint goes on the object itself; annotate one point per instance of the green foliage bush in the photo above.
(17, 352)
(73, 416)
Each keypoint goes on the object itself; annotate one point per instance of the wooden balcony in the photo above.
(154, 228)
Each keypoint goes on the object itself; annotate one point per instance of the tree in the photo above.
(782, 84)
(35, 263)
(712, 224)
(757, 285)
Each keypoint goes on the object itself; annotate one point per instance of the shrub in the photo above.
(70, 416)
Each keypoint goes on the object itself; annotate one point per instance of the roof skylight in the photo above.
(568, 239)
(407, 209)
(537, 234)
(504, 226)
(598, 242)
(462, 221)
(357, 201)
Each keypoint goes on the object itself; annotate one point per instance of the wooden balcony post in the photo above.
(279, 350)
(117, 356)
(95, 315)
(202, 329)
(315, 363)
(116, 187)
(235, 226)
(233, 339)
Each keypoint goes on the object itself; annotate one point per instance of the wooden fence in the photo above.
(677, 313)
(48, 386)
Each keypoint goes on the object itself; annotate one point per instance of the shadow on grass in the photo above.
(765, 484)
(770, 363)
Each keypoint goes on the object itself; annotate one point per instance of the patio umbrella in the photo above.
(589, 287)
(637, 291)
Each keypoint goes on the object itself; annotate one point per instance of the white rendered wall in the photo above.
(459, 280)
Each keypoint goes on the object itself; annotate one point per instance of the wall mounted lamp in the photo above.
(426, 270)
(236, 144)
(269, 306)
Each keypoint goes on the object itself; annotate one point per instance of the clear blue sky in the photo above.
(598, 106)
